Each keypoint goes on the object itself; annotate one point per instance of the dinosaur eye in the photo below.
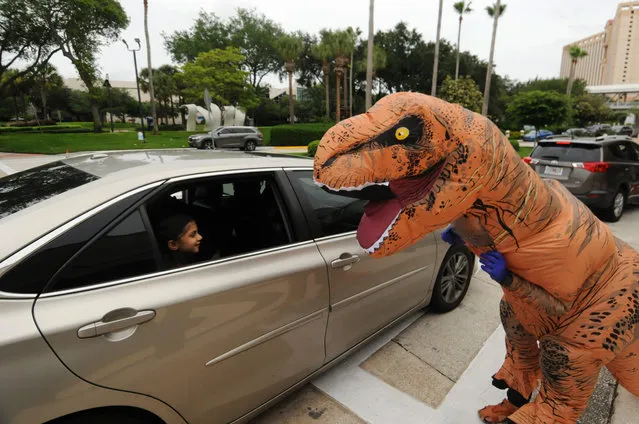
(402, 133)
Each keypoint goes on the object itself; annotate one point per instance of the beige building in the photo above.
(613, 54)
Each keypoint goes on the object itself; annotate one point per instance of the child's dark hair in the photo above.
(172, 227)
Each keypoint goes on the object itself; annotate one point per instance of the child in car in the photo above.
(180, 240)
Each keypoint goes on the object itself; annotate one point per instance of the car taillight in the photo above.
(593, 166)
(527, 159)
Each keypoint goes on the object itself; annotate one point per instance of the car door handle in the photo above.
(100, 328)
(345, 262)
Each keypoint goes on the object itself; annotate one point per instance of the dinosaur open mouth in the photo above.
(386, 202)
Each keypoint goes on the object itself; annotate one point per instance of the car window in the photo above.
(634, 151)
(225, 131)
(336, 214)
(32, 274)
(234, 215)
(620, 151)
(568, 153)
(26, 188)
(125, 251)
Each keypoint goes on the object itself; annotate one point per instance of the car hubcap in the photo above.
(455, 277)
(250, 145)
(208, 146)
(618, 205)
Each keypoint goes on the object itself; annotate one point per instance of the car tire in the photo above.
(207, 145)
(614, 212)
(453, 279)
(250, 145)
(109, 415)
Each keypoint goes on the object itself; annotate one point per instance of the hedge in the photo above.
(266, 132)
(298, 134)
(312, 148)
(515, 144)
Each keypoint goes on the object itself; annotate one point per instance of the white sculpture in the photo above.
(232, 116)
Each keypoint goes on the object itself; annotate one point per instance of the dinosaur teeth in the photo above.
(379, 242)
(355, 188)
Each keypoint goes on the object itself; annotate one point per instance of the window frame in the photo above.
(298, 230)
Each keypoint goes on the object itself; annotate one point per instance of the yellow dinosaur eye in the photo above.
(401, 133)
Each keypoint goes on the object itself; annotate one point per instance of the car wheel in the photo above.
(208, 145)
(453, 279)
(614, 212)
(250, 145)
(109, 415)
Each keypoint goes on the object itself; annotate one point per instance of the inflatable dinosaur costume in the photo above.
(424, 164)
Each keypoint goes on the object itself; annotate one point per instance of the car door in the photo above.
(633, 195)
(214, 339)
(224, 138)
(365, 293)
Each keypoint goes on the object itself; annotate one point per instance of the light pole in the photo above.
(137, 80)
(107, 84)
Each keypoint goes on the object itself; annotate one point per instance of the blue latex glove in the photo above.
(451, 237)
(494, 264)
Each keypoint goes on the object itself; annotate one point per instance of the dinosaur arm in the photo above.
(536, 296)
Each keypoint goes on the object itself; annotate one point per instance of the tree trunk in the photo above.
(571, 79)
(369, 57)
(337, 97)
(489, 71)
(291, 100)
(148, 57)
(43, 95)
(328, 97)
(345, 90)
(433, 90)
(172, 111)
(458, 40)
(97, 121)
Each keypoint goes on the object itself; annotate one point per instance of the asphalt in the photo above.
(430, 368)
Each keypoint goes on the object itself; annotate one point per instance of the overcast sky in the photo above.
(530, 36)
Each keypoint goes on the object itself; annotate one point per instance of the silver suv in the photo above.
(103, 321)
(244, 138)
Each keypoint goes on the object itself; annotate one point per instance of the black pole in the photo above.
(137, 82)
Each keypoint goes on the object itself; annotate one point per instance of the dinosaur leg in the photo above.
(625, 368)
(520, 370)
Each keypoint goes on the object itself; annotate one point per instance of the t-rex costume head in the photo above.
(419, 160)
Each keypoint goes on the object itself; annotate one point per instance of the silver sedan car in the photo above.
(190, 287)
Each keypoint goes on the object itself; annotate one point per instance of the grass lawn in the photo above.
(59, 143)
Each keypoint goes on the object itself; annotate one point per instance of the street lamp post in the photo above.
(107, 84)
(137, 80)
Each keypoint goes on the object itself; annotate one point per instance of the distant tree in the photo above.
(323, 52)
(539, 108)
(558, 85)
(463, 91)
(590, 109)
(461, 8)
(150, 67)
(494, 12)
(576, 53)
(290, 47)
(219, 71)
(207, 33)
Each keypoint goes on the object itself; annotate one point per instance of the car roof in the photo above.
(602, 140)
(121, 172)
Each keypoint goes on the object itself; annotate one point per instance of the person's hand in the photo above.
(451, 237)
(494, 264)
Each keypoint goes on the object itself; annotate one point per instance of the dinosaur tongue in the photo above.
(378, 216)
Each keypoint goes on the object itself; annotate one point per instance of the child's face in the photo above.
(189, 242)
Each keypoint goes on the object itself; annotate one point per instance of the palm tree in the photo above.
(461, 7)
(290, 47)
(322, 52)
(369, 56)
(353, 35)
(379, 62)
(150, 67)
(47, 76)
(342, 44)
(494, 12)
(576, 53)
(433, 90)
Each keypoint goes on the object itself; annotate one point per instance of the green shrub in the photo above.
(312, 147)
(298, 134)
(515, 144)
(266, 132)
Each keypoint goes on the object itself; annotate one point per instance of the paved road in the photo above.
(428, 369)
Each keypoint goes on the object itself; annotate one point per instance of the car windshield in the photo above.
(26, 188)
(568, 153)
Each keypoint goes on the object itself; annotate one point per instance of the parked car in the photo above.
(576, 132)
(602, 172)
(96, 328)
(598, 130)
(244, 138)
(540, 135)
(624, 130)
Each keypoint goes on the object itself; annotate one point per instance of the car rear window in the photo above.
(568, 153)
(26, 188)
